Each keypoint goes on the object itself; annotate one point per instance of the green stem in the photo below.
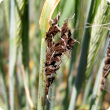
(42, 76)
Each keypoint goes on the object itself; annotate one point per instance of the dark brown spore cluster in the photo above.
(106, 68)
(56, 50)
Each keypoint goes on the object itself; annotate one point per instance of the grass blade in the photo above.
(25, 46)
(88, 88)
(12, 55)
(23, 34)
(82, 63)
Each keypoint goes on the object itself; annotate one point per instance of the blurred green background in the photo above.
(77, 83)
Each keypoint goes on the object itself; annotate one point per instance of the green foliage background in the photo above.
(77, 83)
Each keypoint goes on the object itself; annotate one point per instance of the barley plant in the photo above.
(76, 85)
